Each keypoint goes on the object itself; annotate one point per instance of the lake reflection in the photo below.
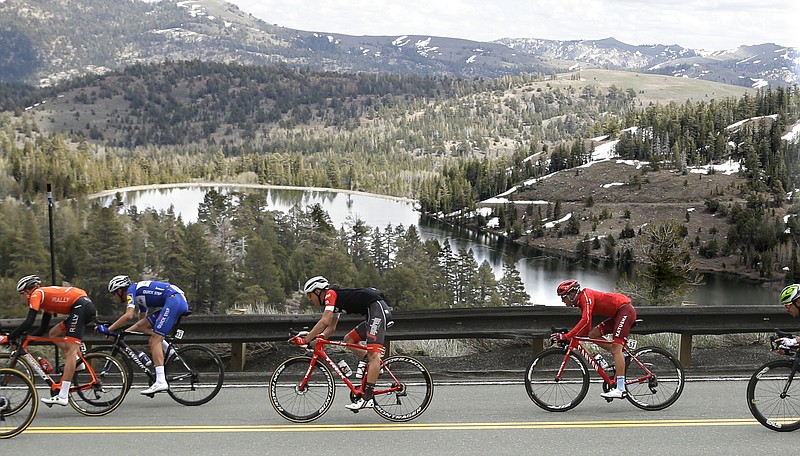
(539, 272)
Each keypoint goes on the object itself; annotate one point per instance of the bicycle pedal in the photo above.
(151, 395)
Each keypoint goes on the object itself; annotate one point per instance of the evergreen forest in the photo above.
(447, 142)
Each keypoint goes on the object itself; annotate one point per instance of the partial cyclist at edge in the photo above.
(620, 318)
(148, 295)
(789, 297)
(70, 301)
(365, 301)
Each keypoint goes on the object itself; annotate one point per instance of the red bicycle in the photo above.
(302, 389)
(98, 388)
(557, 379)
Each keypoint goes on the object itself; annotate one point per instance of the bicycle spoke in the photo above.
(772, 400)
(555, 389)
(296, 403)
(18, 402)
(654, 379)
(404, 390)
(195, 375)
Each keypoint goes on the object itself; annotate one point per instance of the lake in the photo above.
(539, 272)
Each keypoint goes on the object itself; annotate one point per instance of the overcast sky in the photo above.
(697, 24)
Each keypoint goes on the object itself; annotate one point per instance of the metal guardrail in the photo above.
(532, 322)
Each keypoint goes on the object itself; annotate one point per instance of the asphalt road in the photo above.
(710, 418)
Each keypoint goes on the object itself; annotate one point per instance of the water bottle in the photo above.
(144, 358)
(345, 368)
(602, 362)
(46, 367)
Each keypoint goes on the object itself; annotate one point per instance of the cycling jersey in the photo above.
(56, 300)
(70, 301)
(149, 294)
(365, 301)
(593, 302)
(351, 300)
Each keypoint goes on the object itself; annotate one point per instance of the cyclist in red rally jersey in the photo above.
(366, 301)
(69, 301)
(621, 316)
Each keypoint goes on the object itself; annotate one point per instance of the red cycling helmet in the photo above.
(567, 286)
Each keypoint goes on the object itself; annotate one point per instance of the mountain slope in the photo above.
(47, 41)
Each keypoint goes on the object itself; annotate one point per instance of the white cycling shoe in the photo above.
(155, 388)
(361, 404)
(614, 394)
(55, 400)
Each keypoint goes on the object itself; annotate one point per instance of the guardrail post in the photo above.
(538, 345)
(685, 349)
(238, 354)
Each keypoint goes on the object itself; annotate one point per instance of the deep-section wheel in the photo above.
(404, 389)
(773, 399)
(195, 375)
(654, 382)
(300, 402)
(552, 387)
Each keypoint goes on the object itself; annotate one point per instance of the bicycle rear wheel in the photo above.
(296, 403)
(18, 402)
(404, 390)
(195, 375)
(773, 398)
(102, 396)
(555, 389)
(657, 382)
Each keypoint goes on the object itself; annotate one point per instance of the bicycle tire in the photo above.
(195, 375)
(18, 402)
(121, 357)
(773, 407)
(21, 365)
(105, 396)
(404, 390)
(308, 404)
(654, 393)
(556, 394)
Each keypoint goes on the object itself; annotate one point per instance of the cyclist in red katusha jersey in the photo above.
(621, 316)
(69, 301)
(366, 301)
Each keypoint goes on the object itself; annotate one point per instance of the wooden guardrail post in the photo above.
(685, 349)
(238, 355)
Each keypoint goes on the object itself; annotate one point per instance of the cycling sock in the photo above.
(621, 383)
(368, 388)
(160, 378)
(64, 392)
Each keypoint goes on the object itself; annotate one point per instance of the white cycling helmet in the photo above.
(27, 282)
(315, 283)
(117, 282)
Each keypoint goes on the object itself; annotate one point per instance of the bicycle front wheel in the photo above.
(654, 379)
(773, 397)
(18, 402)
(100, 388)
(557, 381)
(297, 401)
(195, 375)
(404, 390)
(21, 365)
(121, 357)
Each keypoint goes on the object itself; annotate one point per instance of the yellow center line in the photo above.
(388, 427)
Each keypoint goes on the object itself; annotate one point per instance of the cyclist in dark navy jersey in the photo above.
(146, 295)
(366, 301)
